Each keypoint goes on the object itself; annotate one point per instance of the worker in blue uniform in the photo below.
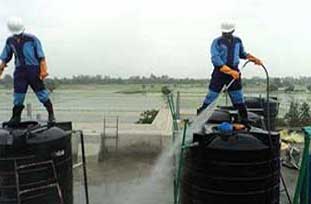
(226, 52)
(30, 68)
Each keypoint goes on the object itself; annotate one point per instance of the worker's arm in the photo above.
(215, 55)
(248, 56)
(2, 65)
(254, 59)
(5, 57)
(40, 53)
(43, 69)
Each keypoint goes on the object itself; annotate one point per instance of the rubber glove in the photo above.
(43, 69)
(2, 67)
(254, 59)
(237, 126)
(227, 70)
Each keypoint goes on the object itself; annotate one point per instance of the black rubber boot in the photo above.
(200, 109)
(243, 114)
(16, 115)
(49, 107)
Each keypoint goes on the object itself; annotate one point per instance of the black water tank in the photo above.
(33, 149)
(236, 169)
(254, 104)
(259, 106)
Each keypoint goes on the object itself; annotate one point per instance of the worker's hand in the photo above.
(227, 70)
(254, 59)
(43, 70)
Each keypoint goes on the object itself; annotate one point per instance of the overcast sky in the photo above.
(172, 37)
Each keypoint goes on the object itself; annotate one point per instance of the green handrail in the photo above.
(170, 101)
(301, 195)
(181, 161)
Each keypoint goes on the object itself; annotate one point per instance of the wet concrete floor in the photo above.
(125, 179)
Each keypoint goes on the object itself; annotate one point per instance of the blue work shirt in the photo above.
(28, 51)
(225, 52)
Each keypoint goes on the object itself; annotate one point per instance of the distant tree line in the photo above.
(99, 79)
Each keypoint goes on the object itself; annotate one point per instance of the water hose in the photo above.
(269, 127)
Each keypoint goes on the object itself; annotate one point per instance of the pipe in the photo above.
(86, 187)
(84, 168)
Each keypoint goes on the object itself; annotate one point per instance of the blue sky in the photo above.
(172, 37)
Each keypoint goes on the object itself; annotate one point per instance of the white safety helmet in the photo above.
(227, 27)
(15, 25)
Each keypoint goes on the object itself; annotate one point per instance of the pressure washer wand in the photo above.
(225, 88)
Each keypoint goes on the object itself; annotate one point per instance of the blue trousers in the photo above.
(28, 76)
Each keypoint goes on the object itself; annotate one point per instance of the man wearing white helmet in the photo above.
(30, 68)
(226, 52)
